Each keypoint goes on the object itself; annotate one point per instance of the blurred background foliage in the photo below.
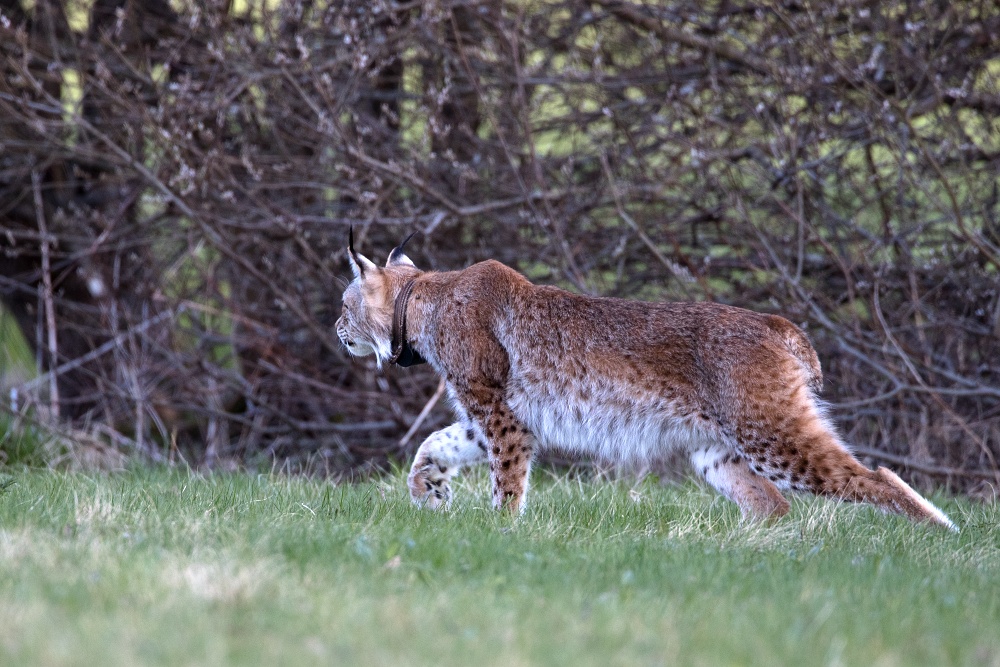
(177, 180)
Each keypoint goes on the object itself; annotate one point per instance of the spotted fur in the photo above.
(530, 366)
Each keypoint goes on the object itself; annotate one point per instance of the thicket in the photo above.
(177, 181)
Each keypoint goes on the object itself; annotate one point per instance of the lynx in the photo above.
(529, 366)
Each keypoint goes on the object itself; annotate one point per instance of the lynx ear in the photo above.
(359, 263)
(397, 258)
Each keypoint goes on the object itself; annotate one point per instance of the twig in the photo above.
(905, 358)
(683, 277)
(358, 427)
(47, 296)
(423, 413)
(632, 13)
(211, 233)
(97, 352)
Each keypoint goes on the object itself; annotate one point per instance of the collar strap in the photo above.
(403, 353)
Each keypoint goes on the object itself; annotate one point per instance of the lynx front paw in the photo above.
(430, 485)
(442, 456)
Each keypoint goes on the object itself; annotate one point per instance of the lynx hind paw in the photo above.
(430, 485)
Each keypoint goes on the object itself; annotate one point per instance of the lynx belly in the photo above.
(598, 422)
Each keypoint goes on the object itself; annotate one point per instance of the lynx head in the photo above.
(365, 325)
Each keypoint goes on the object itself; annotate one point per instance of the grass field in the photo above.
(167, 567)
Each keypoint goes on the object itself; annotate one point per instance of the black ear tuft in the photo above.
(397, 256)
(354, 255)
(359, 263)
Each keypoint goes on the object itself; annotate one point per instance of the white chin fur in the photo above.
(383, 352)
(360, 349)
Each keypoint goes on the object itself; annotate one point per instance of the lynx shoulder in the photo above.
(530, 367)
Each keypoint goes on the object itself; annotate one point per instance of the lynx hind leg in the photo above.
(839, 475)
(729, 474)
(885, 489)
(440, 457)
(807, 455)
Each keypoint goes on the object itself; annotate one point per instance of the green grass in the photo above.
(22, 444)
(163, 567)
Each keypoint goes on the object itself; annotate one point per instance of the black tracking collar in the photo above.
(403, 353)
